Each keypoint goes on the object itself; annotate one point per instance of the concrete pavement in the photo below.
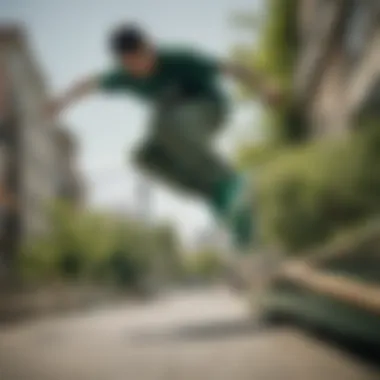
(202, 335)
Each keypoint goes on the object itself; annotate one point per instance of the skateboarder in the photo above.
(183, 87)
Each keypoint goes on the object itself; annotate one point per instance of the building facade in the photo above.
(34, 146)
(338, 73)
(36, 165)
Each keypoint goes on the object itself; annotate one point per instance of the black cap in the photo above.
(126, 39)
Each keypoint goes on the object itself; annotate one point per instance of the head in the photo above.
(133, 50)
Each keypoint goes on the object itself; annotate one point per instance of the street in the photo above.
(199, 334)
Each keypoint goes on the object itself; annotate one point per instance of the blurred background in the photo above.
(105, 274)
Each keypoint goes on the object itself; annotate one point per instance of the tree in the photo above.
(91, 247)
(273, 54)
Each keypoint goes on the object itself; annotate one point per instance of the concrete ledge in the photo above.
(344, 289)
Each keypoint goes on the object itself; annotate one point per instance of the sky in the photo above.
(69, 40)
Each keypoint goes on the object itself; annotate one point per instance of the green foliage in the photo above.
(204, 265)
(309, 191)
(277, 46)
(312, 192)
(274, 52)
(274, 55)
(255, 155)
(85, 246)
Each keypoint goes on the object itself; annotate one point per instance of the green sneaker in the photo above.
(242, 228)
(234, 206)
(240, 216)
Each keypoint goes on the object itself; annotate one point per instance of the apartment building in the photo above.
(9, 221)
(37, 159)
(338, 74)
(33, 148)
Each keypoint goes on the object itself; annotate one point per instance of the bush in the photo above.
(205, 265)
(310, 193)
(89, 247)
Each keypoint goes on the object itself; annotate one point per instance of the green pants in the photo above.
(179, 148)
(179, 151)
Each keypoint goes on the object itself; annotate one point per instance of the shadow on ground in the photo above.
(214, 330)
(366, 352)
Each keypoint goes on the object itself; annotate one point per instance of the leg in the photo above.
(180, 152)
(178, 149)
(165, 165)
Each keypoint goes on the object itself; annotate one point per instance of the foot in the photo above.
(240, 217)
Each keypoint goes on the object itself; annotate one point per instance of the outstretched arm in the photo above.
(254, 80)
(75, 93)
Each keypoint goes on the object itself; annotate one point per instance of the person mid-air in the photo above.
(184, 88)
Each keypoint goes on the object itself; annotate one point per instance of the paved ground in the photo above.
(195, 336)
